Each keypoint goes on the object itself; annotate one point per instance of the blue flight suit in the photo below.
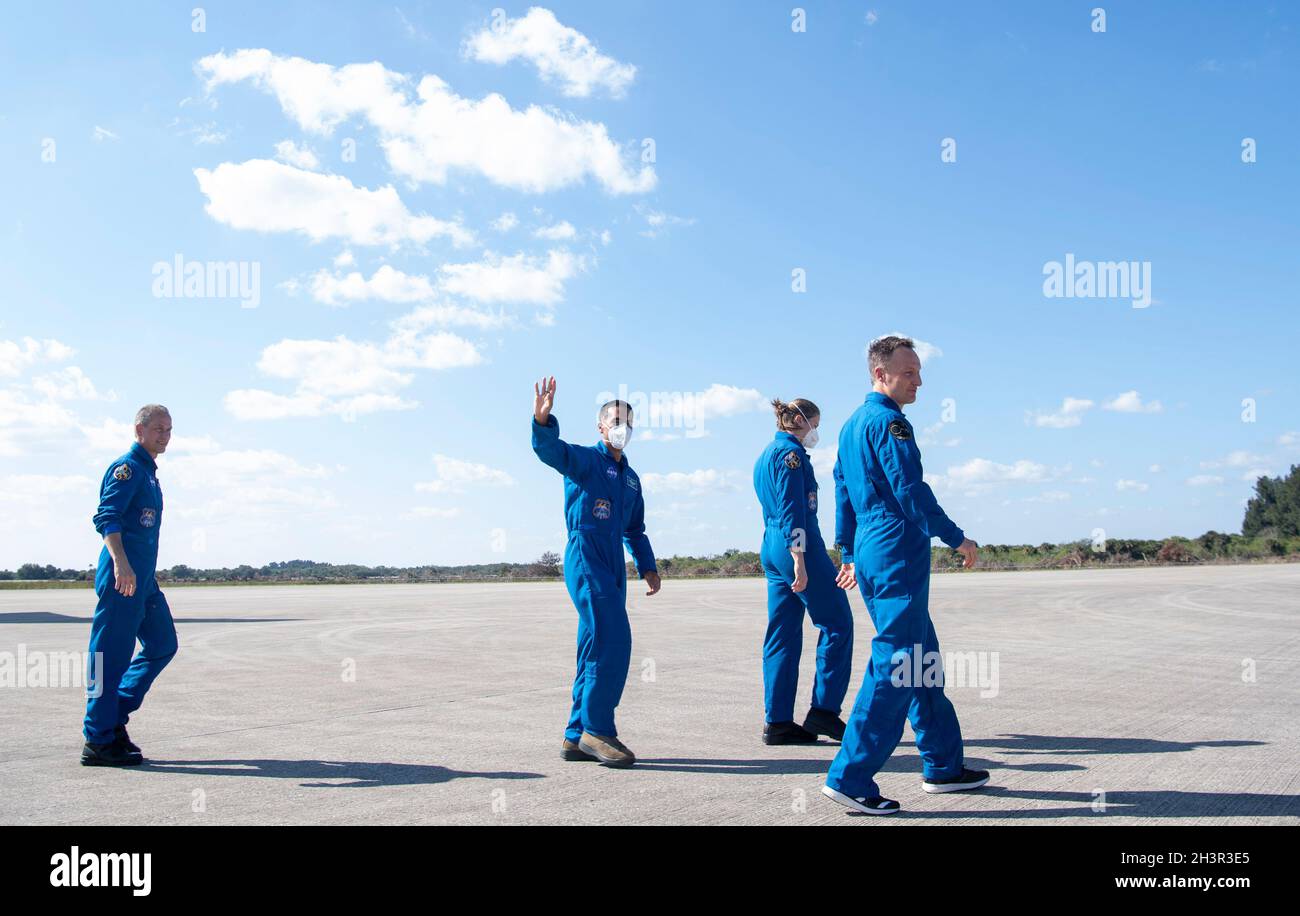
(130, 502)
(787, 491)
(603, 510)
(885, 515)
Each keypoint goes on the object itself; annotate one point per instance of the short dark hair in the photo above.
(613, 405)
(882, 349)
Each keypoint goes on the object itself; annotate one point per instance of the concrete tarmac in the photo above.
(1132, 696)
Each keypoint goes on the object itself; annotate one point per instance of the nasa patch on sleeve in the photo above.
(900, 430)
(792, 460)
(122, 472)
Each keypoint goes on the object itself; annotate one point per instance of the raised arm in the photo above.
(548, 445)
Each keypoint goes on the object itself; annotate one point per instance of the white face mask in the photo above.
(619, 436)
(810, 438)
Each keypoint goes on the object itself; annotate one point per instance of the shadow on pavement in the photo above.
(49, 617)
(1057, 744)
(361, 774)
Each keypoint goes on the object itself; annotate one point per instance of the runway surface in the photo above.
(1160, 696)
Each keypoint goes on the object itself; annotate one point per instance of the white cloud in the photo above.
(1131, 402)
(556, 233)
(686, 412)
(449, 315)
(269, 196)
(433, 132)
(562, 55)
(242, 484)
(659, 222)
(454, 475)
(34, 416)
(101, 134)
(519, 278)
(979, 474)
(930, 437)
(16, 356)
(1204, 480)
(1137, 485)
(871, 17)
(37, 489)
(1070, 414)
(1238, 458)
(387, 284)
(295, 155)
(345, 377)
(695, 483)
(505, 222)
(69, 384)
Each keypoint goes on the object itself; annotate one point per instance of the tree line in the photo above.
(1270, 531)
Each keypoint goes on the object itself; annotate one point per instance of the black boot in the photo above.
(121, 738)
(108, 754)
(787, 733)
(824, 722)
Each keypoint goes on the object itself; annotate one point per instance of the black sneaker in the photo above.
(875, 804)
(969, 779)
(787, 733)
(824, 722)
(108, 754)
(122, 738)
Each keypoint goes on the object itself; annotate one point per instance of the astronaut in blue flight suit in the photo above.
(130, 606)
(800, 576)
(603, 511)
(885, 516)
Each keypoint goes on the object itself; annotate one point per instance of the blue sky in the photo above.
(373, 407)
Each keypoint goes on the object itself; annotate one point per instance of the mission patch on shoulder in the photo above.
(792, 460)
(900, 430)
(122, 472)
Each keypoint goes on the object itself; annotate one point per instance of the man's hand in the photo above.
(800, 571)
(847, 578)
(969, 551)
(652, 580)
(124, 578)
(543, 400)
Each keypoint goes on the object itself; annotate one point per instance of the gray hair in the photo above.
(144, 416)
(882, 348)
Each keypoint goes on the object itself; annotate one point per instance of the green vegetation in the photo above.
(1274, 511)
(1271, 531)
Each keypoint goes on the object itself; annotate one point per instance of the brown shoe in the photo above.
(571, 751)
(609, 751)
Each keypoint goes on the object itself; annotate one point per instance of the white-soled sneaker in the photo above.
(877, 804)
(969, 779)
